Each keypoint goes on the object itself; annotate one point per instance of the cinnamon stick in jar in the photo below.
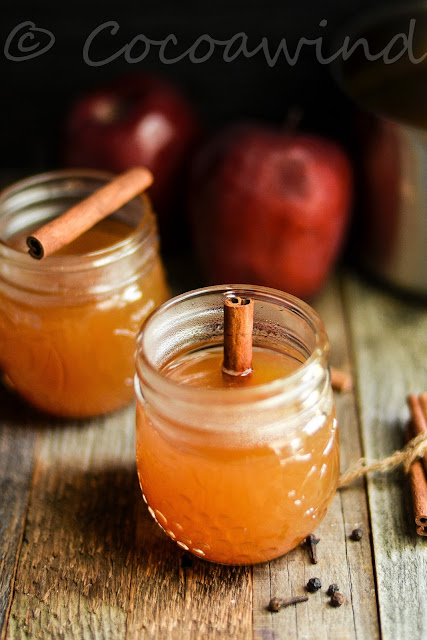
(238, 330)
(83, 216)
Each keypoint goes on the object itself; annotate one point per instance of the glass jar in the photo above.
(238, 475)
(68, 322)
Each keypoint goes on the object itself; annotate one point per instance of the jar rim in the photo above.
(81, 261)
(305, 375)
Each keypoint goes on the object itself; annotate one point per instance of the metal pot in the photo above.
(392, 238)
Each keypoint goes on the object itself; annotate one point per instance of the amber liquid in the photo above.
(236, 502)
(103, 235)
(76, 358)
(398, 90)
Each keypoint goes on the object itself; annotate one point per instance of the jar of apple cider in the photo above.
(236, 471)
(68, 322)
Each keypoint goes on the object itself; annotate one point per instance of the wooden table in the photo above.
(80, 557)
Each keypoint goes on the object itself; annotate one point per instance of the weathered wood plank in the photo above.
(352, 499)
(389, 339)
(17, 443)
(347, 563)
(95, 565)
(175, 595)
(73, 576)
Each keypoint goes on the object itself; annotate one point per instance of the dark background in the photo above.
(37, 93)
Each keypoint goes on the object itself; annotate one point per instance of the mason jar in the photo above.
(241, 474)
(68, 322)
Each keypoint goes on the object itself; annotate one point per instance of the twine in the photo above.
(416, 448)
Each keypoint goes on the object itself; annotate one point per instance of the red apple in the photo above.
(139, 119)
(270, 208)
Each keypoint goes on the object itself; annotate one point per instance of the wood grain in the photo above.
(389, 338)
(353, 500)
(341, 561)
(72, 579)
(17, 445)
(95, 565)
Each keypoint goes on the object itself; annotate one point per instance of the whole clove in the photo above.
(313, 585)
(357, 534)
(280, 603)
(311, 542)
(337, 599)
(333, 588)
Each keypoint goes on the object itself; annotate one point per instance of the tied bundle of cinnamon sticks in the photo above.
(418, 470)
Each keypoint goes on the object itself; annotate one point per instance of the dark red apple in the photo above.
(270, 208)
(135, 120)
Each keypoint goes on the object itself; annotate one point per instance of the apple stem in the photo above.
(293, 119)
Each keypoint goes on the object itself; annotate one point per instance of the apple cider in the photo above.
(68, 323)
(235, 471)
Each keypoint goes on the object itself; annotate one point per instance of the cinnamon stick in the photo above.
(73, 223)
(418, 408)
(423, 403)
(341, 380)
(417, 477)
(238, 329)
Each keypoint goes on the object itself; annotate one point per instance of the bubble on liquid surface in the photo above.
(160, 517)
(182, 545)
